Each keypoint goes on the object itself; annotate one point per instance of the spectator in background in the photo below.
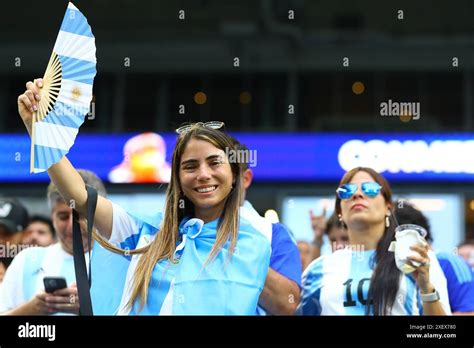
(4, 263)
(337, 234)
(13, 219)
(466, 251)
(39, 232)
(306, 253)
(457, 272)
(319, 227)
(281, 292)
(22, 292)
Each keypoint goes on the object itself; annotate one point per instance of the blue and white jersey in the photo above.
(24, 277)
(221, 288)
(460, 282)
(338, 284)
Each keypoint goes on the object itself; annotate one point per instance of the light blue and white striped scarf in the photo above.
(186, 288)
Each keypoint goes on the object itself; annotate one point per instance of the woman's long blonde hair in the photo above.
(164, 245)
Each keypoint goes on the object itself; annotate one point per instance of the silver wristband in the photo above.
(432, 297)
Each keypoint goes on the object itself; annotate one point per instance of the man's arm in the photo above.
(35, 306)
(280, 296)
(64, 300)
(464, 313)
(281, 293)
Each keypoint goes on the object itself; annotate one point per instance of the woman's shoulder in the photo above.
(152, 220)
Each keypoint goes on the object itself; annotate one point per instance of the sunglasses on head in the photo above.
(211, 124)
(370, 189)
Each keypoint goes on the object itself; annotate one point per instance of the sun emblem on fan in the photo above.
(76, 92)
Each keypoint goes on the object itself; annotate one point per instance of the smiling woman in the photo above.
(197, 257)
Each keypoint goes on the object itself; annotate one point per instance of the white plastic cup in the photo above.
(408, 235)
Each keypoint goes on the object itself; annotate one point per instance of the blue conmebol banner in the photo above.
(135, 158)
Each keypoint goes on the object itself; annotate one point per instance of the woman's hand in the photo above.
(28, 102)
(422, 273)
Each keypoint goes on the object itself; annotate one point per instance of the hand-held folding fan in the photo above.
(66, 92)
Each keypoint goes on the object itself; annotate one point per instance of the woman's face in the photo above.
(363, 210)
(206, 178)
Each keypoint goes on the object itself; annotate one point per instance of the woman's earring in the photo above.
(387, 221)
(339, 216)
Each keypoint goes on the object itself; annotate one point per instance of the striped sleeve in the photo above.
(128, 228)
(125, 229)
(310, 303)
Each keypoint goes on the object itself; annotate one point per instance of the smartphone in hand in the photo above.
(52, 284)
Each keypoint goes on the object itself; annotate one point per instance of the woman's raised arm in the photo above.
(62, 174)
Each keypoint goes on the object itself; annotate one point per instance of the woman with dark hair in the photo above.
(363, 278)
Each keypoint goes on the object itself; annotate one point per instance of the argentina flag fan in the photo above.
(188, 286)
(66, 92)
